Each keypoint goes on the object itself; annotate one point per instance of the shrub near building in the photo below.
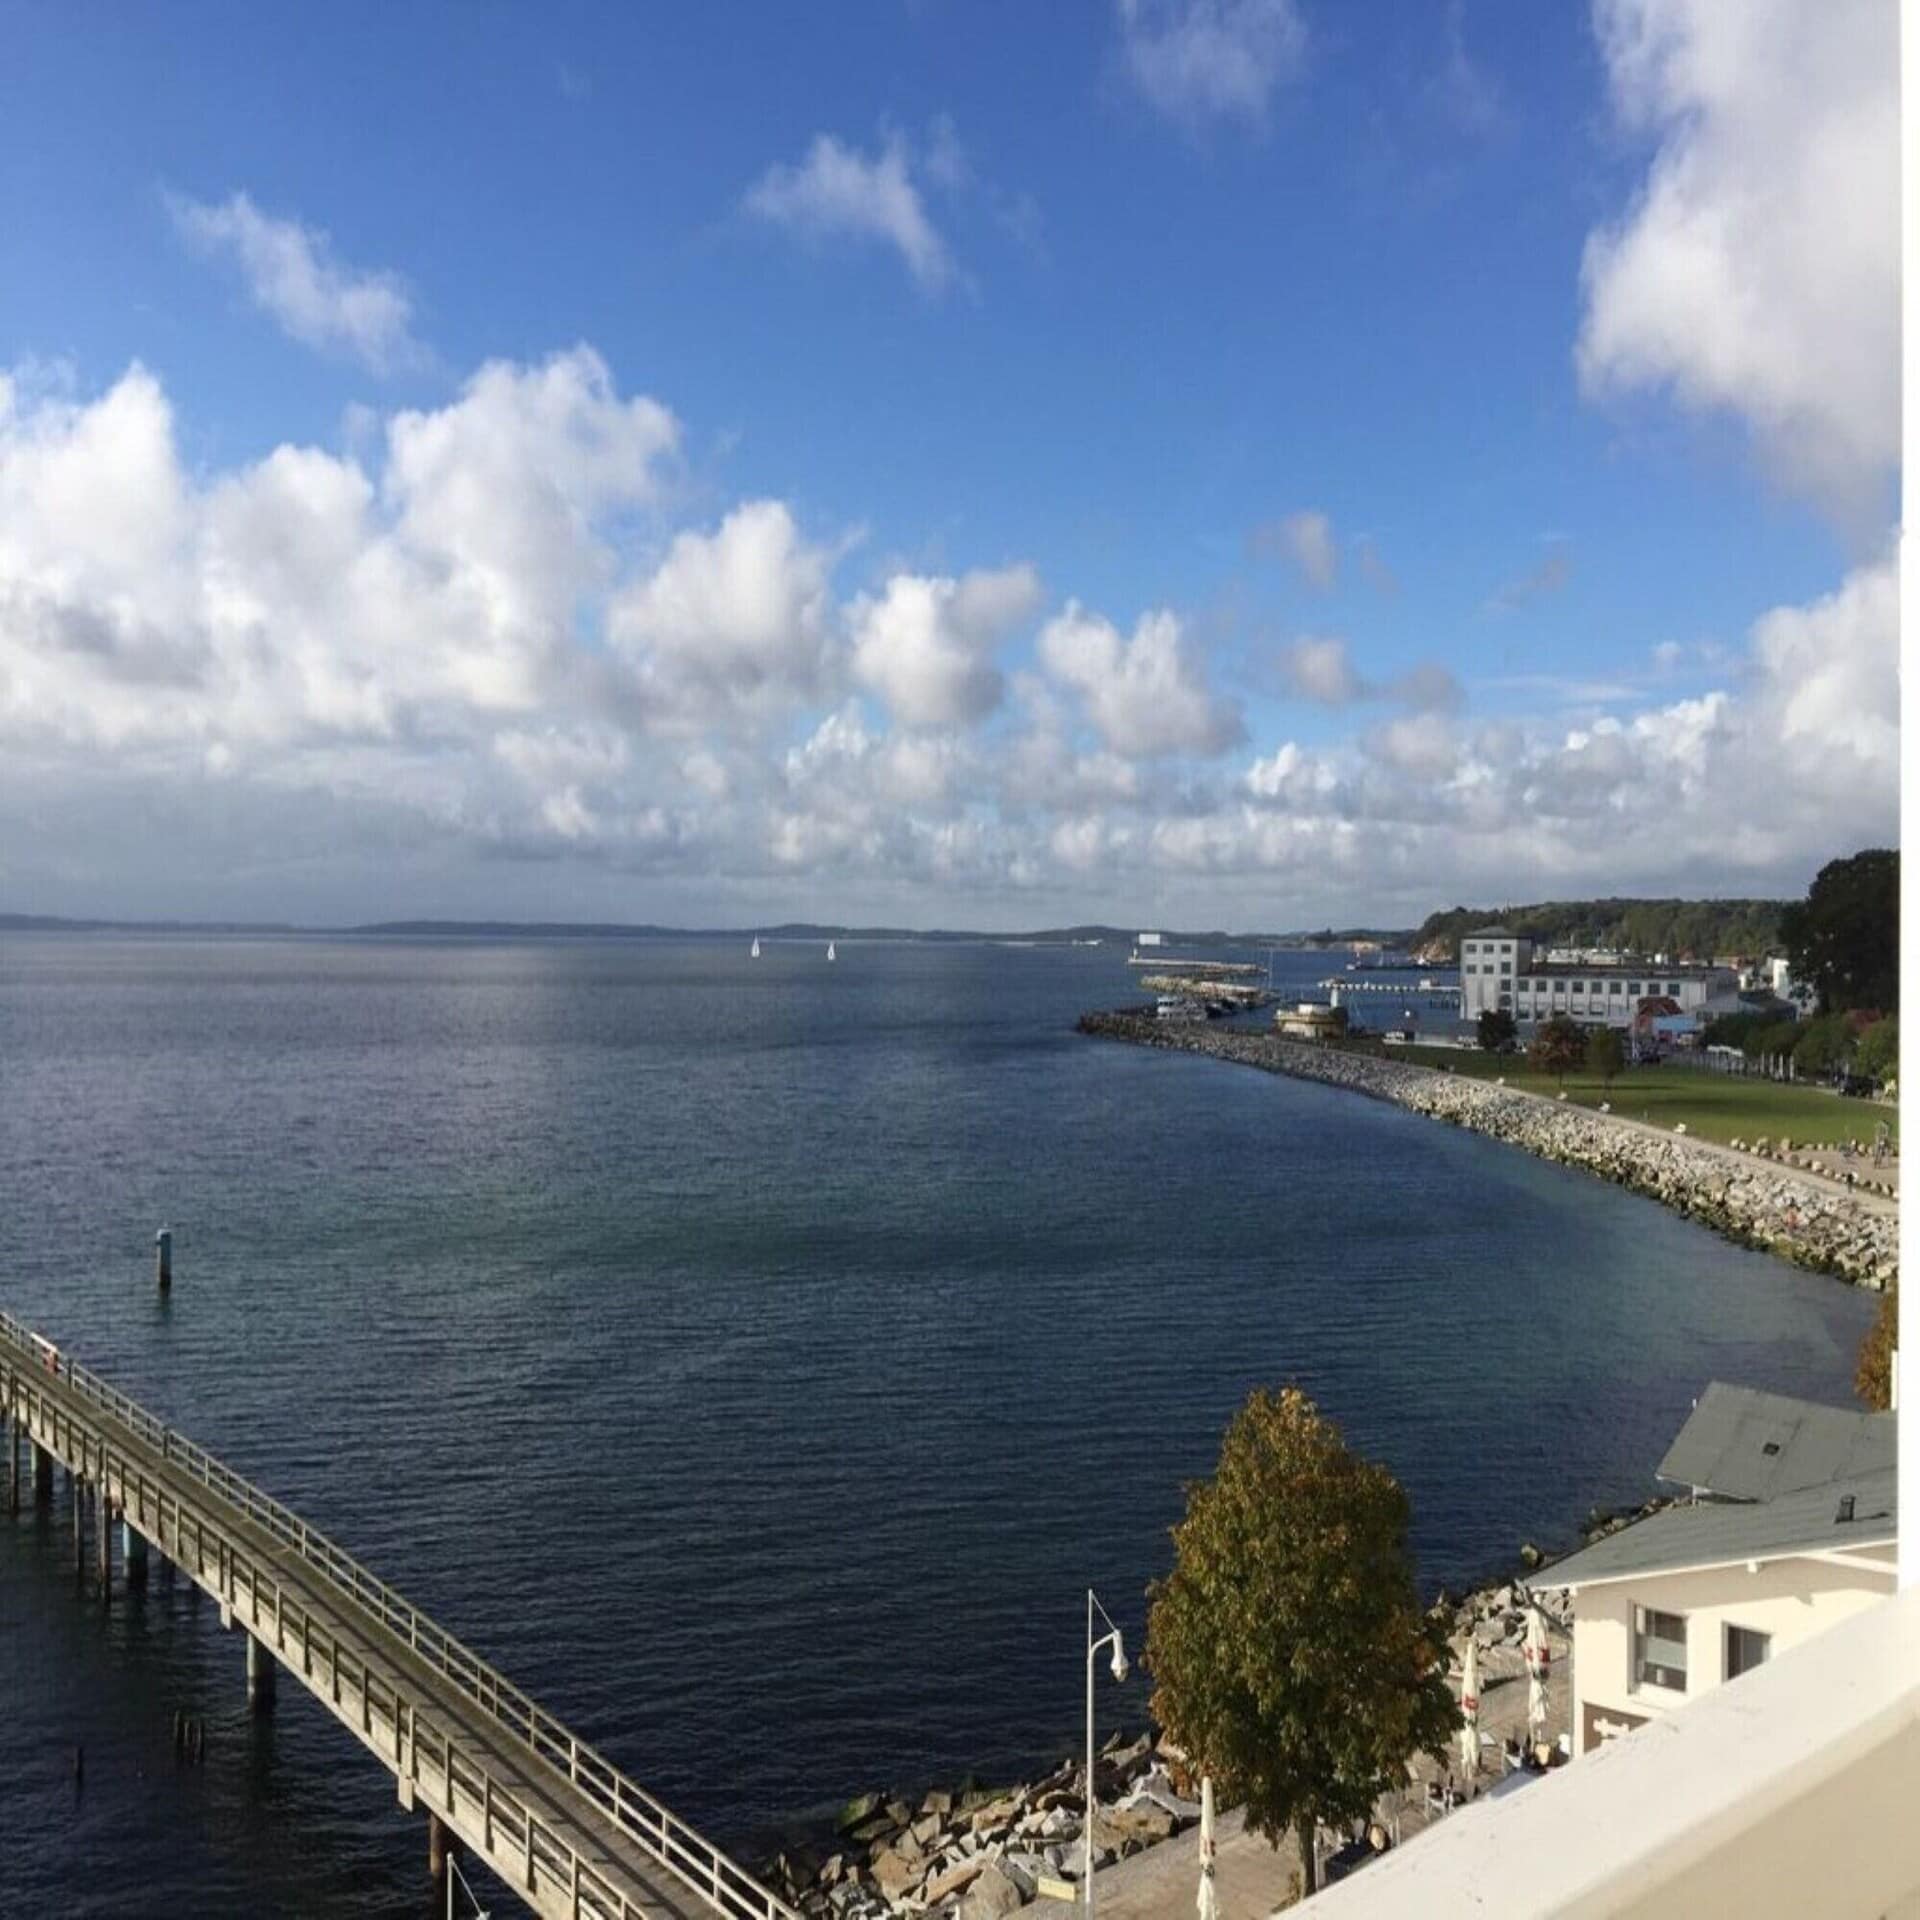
(1558, 1046)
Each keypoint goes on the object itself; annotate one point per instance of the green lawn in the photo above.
(1714, 1106)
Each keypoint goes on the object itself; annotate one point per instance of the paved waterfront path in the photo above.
(1253, 1879)
(570, 1835)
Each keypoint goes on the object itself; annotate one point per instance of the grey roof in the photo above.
(1495, 933)
(1741, 1444)
(1720, 1533)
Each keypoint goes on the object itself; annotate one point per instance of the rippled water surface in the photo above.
(755, 1359)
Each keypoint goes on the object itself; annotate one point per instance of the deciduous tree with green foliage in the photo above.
(1844, 937)
(1498, 1033)
(1824, 1046)
(1605, 1055)
(1877, 1058)
(1557, 1047)
(1771, 1041)
(1289, 1654)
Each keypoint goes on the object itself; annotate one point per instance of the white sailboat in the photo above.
(755, 954)
(830, 952)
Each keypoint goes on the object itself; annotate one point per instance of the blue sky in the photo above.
(1265, 315)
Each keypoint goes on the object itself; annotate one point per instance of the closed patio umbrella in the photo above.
(1208, 1902)
(1539, 1665)
(1470, 1708)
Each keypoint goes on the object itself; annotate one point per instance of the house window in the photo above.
(1579, 986)
(1746, 1650)
(1616, 986)
(1634, 989)
(1673, 987)
(1659, 1649)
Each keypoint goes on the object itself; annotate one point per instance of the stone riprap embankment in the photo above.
(977, 1853)
(1808, 1221)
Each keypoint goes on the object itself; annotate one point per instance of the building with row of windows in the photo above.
(1498, 970)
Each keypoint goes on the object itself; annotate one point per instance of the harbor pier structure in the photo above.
(499, 1778)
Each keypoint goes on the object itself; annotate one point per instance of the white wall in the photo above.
(1791, 1600)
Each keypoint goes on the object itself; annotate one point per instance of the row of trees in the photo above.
(1831, 1045)
(1558, 1046)
(1700, 927)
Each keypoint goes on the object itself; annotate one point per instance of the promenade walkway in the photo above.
(559, 1824)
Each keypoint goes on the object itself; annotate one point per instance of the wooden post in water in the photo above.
(443, 1844)
(163, 1259)
(79, 1527)
(133, 1551)
(104, 1519)
(260, 1676)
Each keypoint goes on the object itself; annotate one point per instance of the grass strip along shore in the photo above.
(1723, 1107)
(1812, 1221)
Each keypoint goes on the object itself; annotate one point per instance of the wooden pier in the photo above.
(493, 1772)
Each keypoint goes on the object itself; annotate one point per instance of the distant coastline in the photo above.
(446, 929)
(1806, 1221)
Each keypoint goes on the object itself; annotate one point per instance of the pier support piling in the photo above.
(104, 1518)
(79, 1527)
(133, 1552)
(163, 1259)
(42, 1476)
(443, 1844)
(260, 1676)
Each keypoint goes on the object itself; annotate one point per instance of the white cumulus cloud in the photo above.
(734, 616)
(1146, 696)
(1757, 270)
(285, 685)
(1321, 668)
(837, 192)
(927, 645)
(1306, 539)
(1199, 60)
(291, 272)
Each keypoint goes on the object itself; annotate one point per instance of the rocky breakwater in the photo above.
(976, 1853)
(1757, 1202)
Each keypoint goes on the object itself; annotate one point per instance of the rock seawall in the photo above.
(1805, 1221)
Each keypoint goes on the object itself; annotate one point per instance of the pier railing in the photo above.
(662, 1834)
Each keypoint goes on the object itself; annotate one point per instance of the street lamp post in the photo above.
(454, 1875)
(1119, 1670)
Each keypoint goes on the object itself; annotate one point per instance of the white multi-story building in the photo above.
(1498, 969)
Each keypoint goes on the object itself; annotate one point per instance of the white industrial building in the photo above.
(1498, 970)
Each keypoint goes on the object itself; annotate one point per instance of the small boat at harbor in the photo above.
(831, 955)
(755, 954)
